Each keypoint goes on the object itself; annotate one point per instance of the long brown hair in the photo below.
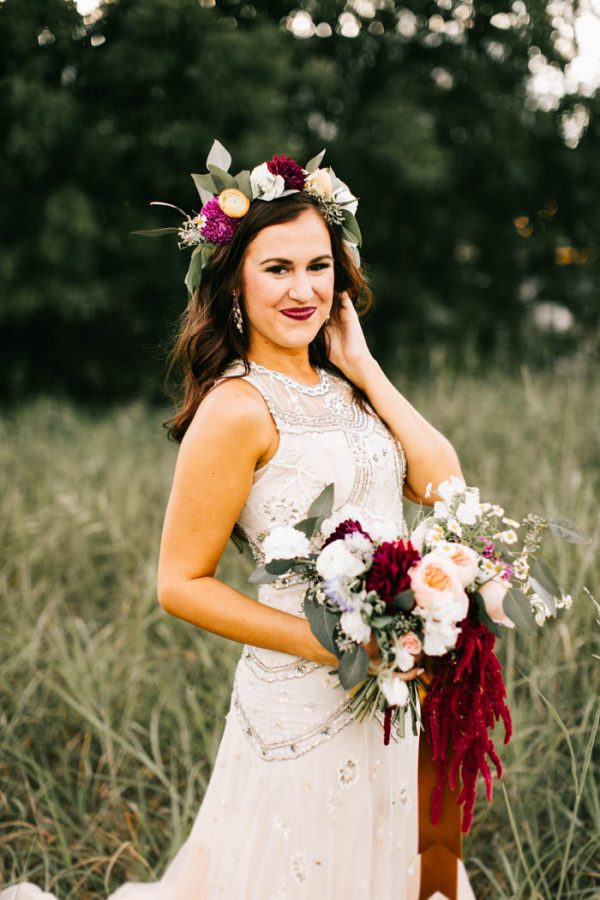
(206, 339)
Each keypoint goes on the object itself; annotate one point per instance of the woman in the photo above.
(282, 396)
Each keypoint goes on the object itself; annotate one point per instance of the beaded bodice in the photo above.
(286, 704)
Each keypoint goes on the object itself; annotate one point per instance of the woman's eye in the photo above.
(277, 269)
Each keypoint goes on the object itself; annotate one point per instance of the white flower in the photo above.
(353, 625)
(509, 537)
(404, 659)
(448, 489)
(454, 526)
(345, 512)
(468, 511)
(440, 510)
(439, 637)
(512, 522)
(418, 537)
(428, 488)
(394, 690)
(464, 558)
(285, 542)
(343, 195)
(266, 184)
(336, 560)
(359, 543)
(565, 601)
(435, 535)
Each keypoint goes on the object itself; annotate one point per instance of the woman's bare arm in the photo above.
(430, 456)
(229, 435)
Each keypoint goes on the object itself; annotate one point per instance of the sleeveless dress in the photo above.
(304, 802)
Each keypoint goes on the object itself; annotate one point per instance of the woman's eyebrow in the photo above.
(280, 259)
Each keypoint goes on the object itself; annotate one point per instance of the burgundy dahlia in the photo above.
(219, 228)
(292, 174)
(348, 526)
(388, 574)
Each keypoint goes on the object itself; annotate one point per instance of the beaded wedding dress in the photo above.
(304, 802)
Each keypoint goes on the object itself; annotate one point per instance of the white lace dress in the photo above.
(304, 803)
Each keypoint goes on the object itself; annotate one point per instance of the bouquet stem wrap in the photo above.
(465, 698)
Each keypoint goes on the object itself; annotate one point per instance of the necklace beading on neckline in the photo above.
(320, 388)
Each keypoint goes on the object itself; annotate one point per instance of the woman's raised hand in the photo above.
(346, 345)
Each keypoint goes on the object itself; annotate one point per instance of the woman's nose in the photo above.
(301, 288)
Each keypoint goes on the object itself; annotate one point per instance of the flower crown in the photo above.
(226, 200)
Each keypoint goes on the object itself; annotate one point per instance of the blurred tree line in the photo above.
(480, 217)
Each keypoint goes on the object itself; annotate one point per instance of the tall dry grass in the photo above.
(111, 712)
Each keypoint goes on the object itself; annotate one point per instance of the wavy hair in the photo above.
(206, 340)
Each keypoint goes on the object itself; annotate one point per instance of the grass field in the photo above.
(111, 711)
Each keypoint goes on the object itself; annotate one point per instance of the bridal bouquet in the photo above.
(444, 593)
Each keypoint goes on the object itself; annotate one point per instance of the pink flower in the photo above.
(219, 228)
(436, 585)
(411, 642)
(292, 173)
(493, 593)
(464, 558)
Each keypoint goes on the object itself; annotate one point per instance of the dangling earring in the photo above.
(237, 314)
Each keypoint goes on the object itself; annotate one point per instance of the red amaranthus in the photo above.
(464, 700)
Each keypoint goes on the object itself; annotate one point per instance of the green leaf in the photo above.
(484, 617)
(308, 526)
(381, 621)
(242, 180)
(545, 576)
(315, 162)
(517, 607)
(261, 576)
(322, 623)
(155, 232)
(279, 566)
(543, 594)
(323, 504)
(351, 225)
(403, 601)
(218, 156)
(354, 665)
(194, 272)
(221, 178)
(568, 531)
(205, 186)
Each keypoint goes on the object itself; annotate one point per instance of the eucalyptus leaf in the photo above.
(381, 621)
(322, 623)
(205, 186)
(194, 272)
(484, 617)
(315, 162)
(242, 179)
(218, 156)
(155, 232)
(543, 594)
(279, 566)
(568, 531)
(308, 526)
(354, 665)
(261, 576)
(544, 575)
(517, 607)
(323, 504)
(352, 226)
(221, 178)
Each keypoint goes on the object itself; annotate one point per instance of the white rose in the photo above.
(266, 184)
(439, 638)
(342, 194)
(285, 542)
(394, 690)
(336, 560)
(345, 512)
(353, 625)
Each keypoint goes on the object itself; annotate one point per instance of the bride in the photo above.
(281, 396)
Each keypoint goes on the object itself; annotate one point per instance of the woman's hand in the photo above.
(373, 653)
(346, 345)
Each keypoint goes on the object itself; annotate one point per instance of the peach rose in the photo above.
(493, 593)
(436, 585)
(464, 558)
(320, 180)
(411, 642)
